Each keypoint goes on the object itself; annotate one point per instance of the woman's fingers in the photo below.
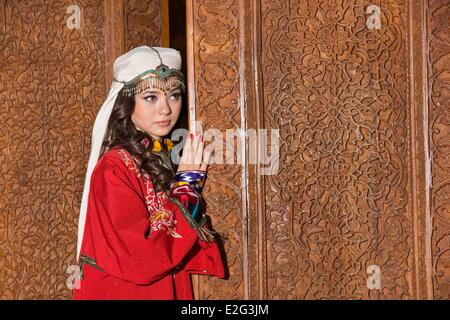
(199, 152)
(187, 151)
(195, 157)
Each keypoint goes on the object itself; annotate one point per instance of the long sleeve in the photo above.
(205, 257)
(131, 243)
(186, 193)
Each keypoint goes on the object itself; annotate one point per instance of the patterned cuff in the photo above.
(194, 178)
(200, 225)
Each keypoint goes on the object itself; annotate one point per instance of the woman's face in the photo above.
(156, 111)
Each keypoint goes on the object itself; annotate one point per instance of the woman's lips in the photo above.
(163, 123)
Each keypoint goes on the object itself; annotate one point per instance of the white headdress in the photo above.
(135, 71)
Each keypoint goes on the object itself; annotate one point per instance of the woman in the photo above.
(142, 231)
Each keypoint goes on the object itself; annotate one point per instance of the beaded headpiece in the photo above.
(162, 78)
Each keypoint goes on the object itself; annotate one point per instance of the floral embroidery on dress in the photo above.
(126, 158)
(160, 218)
(164, 220)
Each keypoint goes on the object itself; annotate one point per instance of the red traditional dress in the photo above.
(139, 244)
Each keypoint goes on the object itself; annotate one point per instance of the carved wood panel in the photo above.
(351, 192)
(213, 70)
(341, 201)
(52, 82)
(143, 23)
(437, 64)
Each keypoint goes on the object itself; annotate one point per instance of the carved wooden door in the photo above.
(359, 90)
(55, 71)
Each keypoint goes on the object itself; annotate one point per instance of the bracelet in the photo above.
(195, 178)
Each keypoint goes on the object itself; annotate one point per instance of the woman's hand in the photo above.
(194, 157)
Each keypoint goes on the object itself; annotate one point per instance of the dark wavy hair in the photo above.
(122, 132)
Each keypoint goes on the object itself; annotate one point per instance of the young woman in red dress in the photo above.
(142, 229)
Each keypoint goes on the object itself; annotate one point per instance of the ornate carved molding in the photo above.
(438, 77)
(213, 72)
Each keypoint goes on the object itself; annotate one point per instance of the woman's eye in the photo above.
(150, 98)
(176, 96)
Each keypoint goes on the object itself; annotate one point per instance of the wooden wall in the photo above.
(363, 175)
(53, 80)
